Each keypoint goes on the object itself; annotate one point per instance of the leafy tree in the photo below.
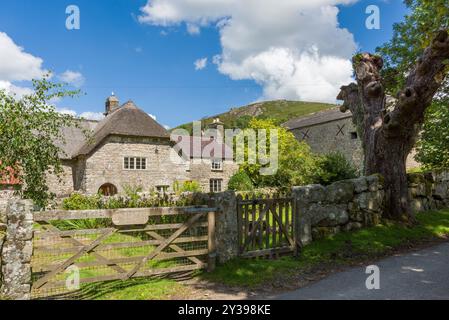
(240, 182)
(433, 147)
(410, 37)
(296, 163)
(414, 64)
(29, 137)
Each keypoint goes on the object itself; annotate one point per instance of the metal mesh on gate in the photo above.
(94, 250)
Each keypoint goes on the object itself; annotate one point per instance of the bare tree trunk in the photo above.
(389, 127)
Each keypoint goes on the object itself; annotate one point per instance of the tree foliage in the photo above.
(410, 38)
(240, 182)
(297, 165)
(30, 136)
(433, 147)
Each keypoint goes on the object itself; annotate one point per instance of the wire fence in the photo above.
(88, 251)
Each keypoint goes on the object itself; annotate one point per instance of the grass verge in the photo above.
(338, 250)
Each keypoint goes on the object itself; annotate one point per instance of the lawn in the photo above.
(340, 249)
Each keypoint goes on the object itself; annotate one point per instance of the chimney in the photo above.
(112, 104)
(219, 126)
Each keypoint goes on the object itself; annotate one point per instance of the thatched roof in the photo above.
(128, 120)
(74, 138)
(317, 118)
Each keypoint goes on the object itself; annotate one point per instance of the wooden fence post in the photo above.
(212, 256)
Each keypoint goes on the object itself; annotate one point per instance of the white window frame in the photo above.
(216, 185)
(214, 164)
(135, 163)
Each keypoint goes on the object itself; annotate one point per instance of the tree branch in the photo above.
(351, 101)
(421, 85)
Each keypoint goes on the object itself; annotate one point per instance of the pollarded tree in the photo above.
(389, 126)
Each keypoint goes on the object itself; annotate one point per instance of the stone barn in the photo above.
(333, 131)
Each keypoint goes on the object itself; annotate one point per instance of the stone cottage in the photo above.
(333, 131)
(129, 148)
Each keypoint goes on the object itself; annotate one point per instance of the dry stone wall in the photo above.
(357, 203)
(342, 206)
(429, 191)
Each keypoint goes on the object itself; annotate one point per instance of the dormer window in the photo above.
(134, 163)
(217, 165)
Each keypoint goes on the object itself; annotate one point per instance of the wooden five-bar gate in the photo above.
(267, 226)
(86, 247)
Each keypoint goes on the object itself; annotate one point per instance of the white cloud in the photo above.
(86, 115)
(66, 111)
(167, 127)
(16, 64)
(193, 29)
(12, 89)
(294, 48)
(200, 64)
(92, 115)
(73, 78)
(152, 116)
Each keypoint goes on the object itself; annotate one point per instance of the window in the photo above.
(353, 135)
(134, 163)
(217, 165)
(215, 185)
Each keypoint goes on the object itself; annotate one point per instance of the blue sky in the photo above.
(151, 60)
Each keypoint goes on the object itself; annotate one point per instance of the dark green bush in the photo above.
(335, 167)
(240, 182)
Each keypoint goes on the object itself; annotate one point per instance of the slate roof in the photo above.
(74, 138)
(317, 118)
(210, 148)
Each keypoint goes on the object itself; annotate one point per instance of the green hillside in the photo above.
(280, 110)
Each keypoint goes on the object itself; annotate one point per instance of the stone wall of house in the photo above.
(338, 135)
(201, 171)
(333, 136)
(63, 186)
(105, 164)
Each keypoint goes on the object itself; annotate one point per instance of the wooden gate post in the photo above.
(212, 256)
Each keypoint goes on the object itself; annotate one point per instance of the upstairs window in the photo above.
(215, 185)
(217, 165)
(134, 163)
(354, 135)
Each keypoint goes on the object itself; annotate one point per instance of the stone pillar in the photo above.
(226, 226)
(17, 250)
(303, 197)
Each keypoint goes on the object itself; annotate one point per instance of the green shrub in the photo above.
(335, 167)
(190, 186)
(240, 182)
(81, 202)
